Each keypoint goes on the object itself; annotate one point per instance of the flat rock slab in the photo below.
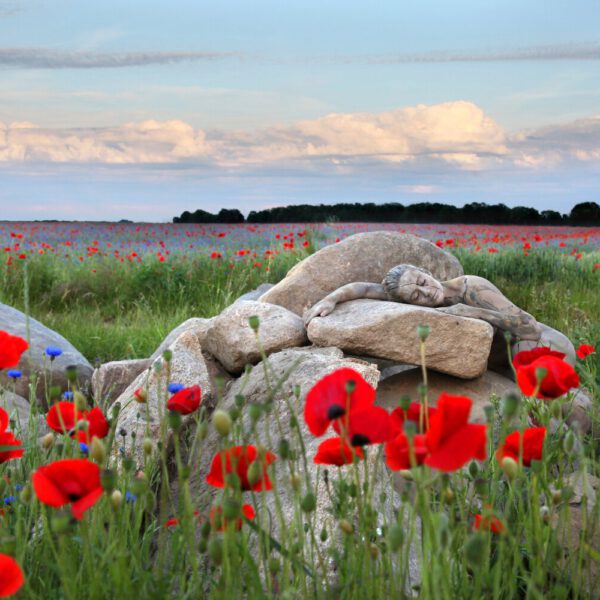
(456, 345)
(34, 361)
(361, 257)
(197, 325)
(112, 378)
(233, 343)
(480, 390)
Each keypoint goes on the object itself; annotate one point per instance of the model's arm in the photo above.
(521, 325)
(350, 291)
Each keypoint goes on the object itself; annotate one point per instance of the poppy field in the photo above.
(502, 509)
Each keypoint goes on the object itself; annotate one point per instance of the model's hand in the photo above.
(320, 309)
(458, 310)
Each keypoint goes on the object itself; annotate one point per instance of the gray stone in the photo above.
(361, 257)
(480, 390)
(34, 361)
(303, 367)
(196, 325)
(110, 379)
(233, 343)
(27, 425)
(255, 294)
(456, 345)
(187, 367)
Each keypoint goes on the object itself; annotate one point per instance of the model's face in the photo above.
(416, 287)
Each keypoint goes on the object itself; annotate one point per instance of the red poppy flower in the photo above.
(97, 426)
(559, 379)
(74, 481)
(333, 451)
(585, 350)
(8, 439)
(11, 348)
(489, 523)
(449, 443)
(185, 401)
(329, 398)
(413, 413)
(238, 459)
(174, 521)
(11, 576)
(365, 425)
(219, 523)
(63, 416)
(526, 357)
(533, 444)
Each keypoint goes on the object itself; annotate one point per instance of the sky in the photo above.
(143, 109)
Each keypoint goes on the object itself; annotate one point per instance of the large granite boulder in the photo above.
(456, 345)
(197, 325)
(34, 361)
(480, 390)
(233, 343)
(361, 257)
(110, 379)
(187, 367)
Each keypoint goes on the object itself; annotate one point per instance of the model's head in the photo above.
(413, 285)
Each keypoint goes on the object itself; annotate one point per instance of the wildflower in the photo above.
(63, 416)
(74, 481)
(11, 576)
(14, 373)
(140, 395)
(533, 443)
(53, 351)
(334, 451)
(365, 425)
(186, 400)
(8, 439)
(11, 348)
(238, 460)
(559, 375)
(220, 523)
(333, 396)
(130, 498)
(449, 443)
(527, 357)
(68, 395)
(412, 413)
(488, 523)
(175, 387)
(582, 352)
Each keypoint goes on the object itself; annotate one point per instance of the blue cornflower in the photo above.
(68, 395)
(53, 351)
(129, 497)
(175, 387)
(18, 487)
(83, 447)
(8, 500)
(14, 373)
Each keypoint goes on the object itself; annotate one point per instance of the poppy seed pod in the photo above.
(309, 502)
(510, 467)
(222, 422)
(423, 332)
(116, 499)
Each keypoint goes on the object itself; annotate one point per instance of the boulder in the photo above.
(456, 345)
(255, 294)
(233, 343)
(35, 362)
(110, 379)
(27, 426)
(187, 367)
(361, 257)
(480, 390)
(303, 367)
(196, 325)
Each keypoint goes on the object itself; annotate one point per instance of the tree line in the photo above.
(585, 213)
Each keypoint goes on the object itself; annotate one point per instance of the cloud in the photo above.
(42, 58)
(424, 138)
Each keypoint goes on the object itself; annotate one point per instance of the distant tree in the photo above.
(525, 215)
(229, 215)
(585, 213)
(551, 217)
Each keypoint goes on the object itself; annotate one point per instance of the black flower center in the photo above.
(335, 411)
(359, 439)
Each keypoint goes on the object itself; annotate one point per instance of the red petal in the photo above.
(526, 357)
(80, 506)
(397, 456)
(451, 415)
(185, 401)
(335, 452)
(465, 444)
(365, 425)
(11, 576)
(3, 420)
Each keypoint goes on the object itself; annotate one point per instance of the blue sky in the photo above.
(142, 110)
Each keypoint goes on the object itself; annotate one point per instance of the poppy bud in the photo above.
(473, 469)
(174, 418)
(97, 450)
(556, 496)
(283, 450)
(309, 502)
(221, 422)
(140, 395)
(323, 535)
(71, 373)
(255, 412)
(108, 479)
(406, 474)
(475, 549)
(48, 441)
(295, 481)
(296, 391)
(396, 537)
(255, 472)
(116, 499)
(350, 386)
(148, 446)
(545, 513)
(508, 337)
(26, 494)
(167, 355)
(374, 551)
(346, 526)
(60, 524)
(80, 401)
(82, 425)
(215, 551)
(54, 391)
(405, 402)
(115, 410)
(448, 496)
(240, 400)
(293, 422)
(510, 467)
(410, 428)
(254, 322)
(511, 405)
(423, 332)
(569, 442)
